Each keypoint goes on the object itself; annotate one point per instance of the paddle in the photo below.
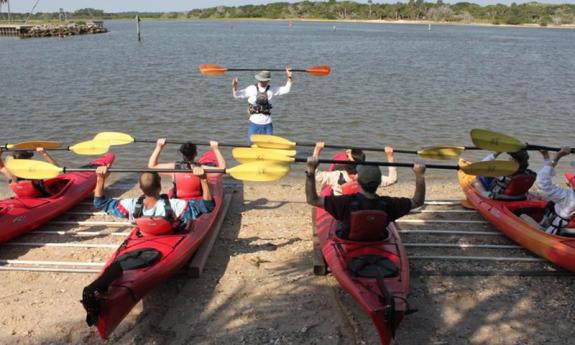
(87, 148)
(499, 142)
(432, 152)
(32, 145)
(255, 171)
(489, 168)
(119, 138)
(212, 70)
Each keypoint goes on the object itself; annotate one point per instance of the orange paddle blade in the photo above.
(210, 69)
(319, 71)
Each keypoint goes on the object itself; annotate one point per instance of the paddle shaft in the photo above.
(375, 149)
(387, 164)
(127, 170)
(262, 69)
(34, 150)
(544, 148)
(184, 142)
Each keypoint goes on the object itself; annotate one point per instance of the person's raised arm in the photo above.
(310, 191)
(566, 150)
(236, 92)
(4, 170)
(419, 194)
(206, 191)
(219, 157)
(391, 178)
(319, 146)
(46, 156)
(544, 182)
(155, 157)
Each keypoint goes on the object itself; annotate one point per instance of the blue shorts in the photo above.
(259, 129)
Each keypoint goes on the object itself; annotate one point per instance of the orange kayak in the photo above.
(505, 216)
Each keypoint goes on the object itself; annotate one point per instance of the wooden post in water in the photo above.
(138, 28)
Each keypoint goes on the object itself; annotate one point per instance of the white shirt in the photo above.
(564, 198)
(331, 178)
(251, 93)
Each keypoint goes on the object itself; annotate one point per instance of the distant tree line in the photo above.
(466, 12)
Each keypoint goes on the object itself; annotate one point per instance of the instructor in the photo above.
(259, 96)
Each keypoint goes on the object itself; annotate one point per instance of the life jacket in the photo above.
(154, 226)
(263, 105)
(514, 187)
(186, 184)
(340, 156)
(351, 187)
(368, 225)
(25, 189)
(553, 223)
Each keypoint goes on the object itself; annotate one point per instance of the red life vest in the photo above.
(340, 156)
(186, 185)
(368, 225)
(155, 226)
(350, 187)
(25, 189)
(515, 186)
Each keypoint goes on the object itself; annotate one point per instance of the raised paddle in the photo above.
(255, 171)
(432, 152)
(32, 145)
(493, 168)
(212, 70)
(499, 142)
(87, 148)
(119, 138)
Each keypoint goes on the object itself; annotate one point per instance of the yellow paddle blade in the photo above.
(211, 69)
(272, 142)
(286, 152)
(32, 170)
(441, 152)
(491, 168)
(90, 147)
(495, 141)
(250, 154)
(114, 138)
(33, 145)
(258, 171)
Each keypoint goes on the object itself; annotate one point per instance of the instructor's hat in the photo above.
(264, 76)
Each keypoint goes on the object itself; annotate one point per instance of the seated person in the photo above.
(26, 188)
(348, 208)
(174, 213)
(186, 185)
(561, 206)
(508, 188)
(342, 180)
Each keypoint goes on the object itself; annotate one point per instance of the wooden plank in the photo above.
(319, 265)
(199, 259)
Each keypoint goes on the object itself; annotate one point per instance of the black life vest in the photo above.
(553, 223)
(186, 184)
(367, 224)
(154, 226)
(263, 105)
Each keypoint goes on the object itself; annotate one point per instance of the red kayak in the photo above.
(20, 215)
(505, 216)
(376, 274)
(147, 262)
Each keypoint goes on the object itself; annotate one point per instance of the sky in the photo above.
(183, 5)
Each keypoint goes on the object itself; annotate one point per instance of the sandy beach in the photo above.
(259, 288)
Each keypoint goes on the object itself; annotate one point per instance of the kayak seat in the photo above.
(56, 186)
(372, 266)
(139, 258)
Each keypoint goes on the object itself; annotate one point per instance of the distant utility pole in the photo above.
(137, 18)
(8, 6)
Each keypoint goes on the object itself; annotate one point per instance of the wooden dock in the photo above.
(14, 30)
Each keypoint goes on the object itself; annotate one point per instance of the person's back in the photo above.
(153, 212)
(350, 210)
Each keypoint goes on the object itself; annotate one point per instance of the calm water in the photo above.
(391, 84)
